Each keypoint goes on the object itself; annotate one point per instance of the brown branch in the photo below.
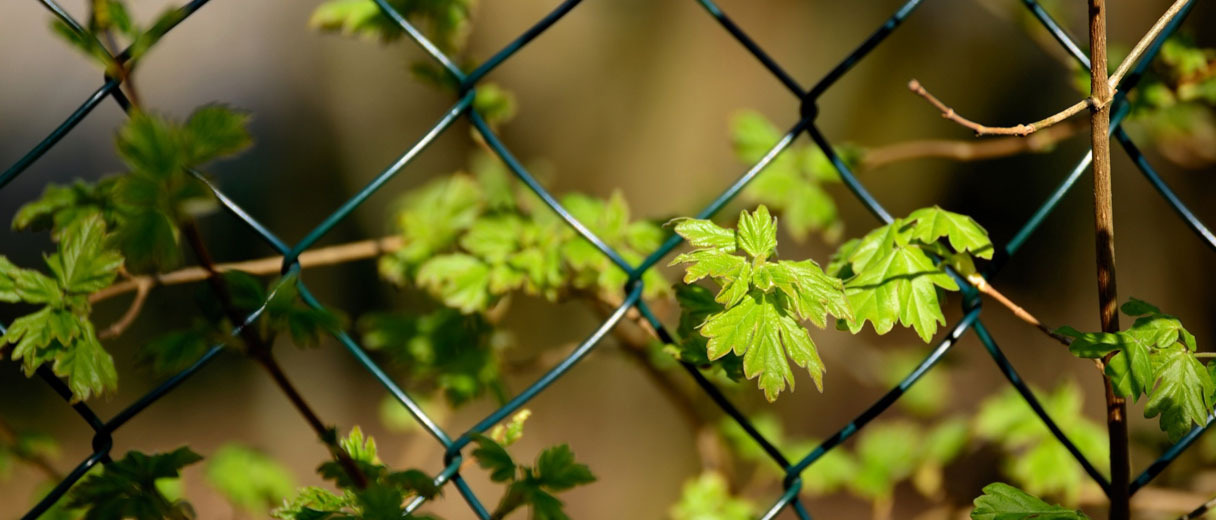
(981, 129)
(969, 150)
(143, 286)
(1144, 42)
(8, 436)
(983, 286)
(1104, 232)
(1094, 102)
(263, 266)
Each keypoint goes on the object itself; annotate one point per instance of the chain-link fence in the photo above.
(454, 446)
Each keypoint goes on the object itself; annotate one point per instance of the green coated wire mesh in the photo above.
(104, 430)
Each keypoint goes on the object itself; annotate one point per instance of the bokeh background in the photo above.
(632, 95)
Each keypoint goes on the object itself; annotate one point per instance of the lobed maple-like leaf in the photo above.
(762, 299)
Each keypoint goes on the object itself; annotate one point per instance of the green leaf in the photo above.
(812, 293)
(757, 233)
(248, 478)
(1135, 307)
(215, 131)
(362, 451)
(459, 281)
(381, 502)
(492, 456)
(446, 349)
(87, 366)
(150, 145)
(732, 272)
(762, 302)
(176, 350)
(557, 470)
(149, 241)
(494, 103)
(127, 488)
(899, 285)
(1184, 396)
(696, 304)
(708, 497)
(1004, 502)
(706, 234)
(113, 14)
(432, 217)
(83, 264)
(1090, 345)
(507, 434)
(285, 312)
(965, 235)
(33, 338)
(415, 481)
(314, 503)
(17, 284)
(763, 335)
(753, 135)
(59, 206)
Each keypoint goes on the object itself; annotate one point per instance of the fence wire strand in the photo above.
(103, 430)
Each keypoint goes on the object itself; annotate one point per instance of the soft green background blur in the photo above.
(632, 95)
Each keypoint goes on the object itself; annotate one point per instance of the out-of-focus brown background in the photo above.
(626, 94)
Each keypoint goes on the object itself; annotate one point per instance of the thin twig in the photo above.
(1093, 103)
(1144, 42)
(1200, 511)
(983, 286)
(969, 150)
(263, 266)
(1021, 130)
(143, 286)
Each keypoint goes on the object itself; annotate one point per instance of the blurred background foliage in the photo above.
(639, 99)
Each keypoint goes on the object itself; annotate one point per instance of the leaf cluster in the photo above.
(762, 299)
(1154, 357)
(110, 20)
(470, 241)
(384, 497)
(533, 486)
(445, 22)
(144, 206)
(60, 332)
(456, 353)
(135, 486)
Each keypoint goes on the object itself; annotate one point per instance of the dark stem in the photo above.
(259, 350)
(1104, 228)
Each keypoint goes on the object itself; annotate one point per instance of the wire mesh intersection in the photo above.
(805, 123)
